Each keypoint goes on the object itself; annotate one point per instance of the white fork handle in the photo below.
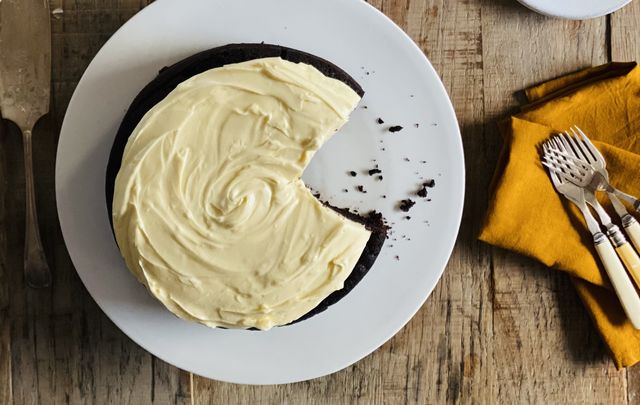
(631, 261)
(623, 286)
(632, 228)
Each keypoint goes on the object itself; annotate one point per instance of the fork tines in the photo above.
(572, 154)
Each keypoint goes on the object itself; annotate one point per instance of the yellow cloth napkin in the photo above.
(525, 213)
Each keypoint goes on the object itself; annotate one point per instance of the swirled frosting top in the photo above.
(209, 210)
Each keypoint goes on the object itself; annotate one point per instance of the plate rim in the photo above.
(531, 5)
(457, 220)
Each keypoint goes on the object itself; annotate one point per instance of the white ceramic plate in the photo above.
(575, 9)
(402, 88)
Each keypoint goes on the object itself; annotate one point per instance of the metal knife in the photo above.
(25, 86)
(629, 223)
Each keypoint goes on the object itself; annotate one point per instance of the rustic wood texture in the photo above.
(498, 327)
(5, 322)
(63, 348)
(548, 350)
(625, 46)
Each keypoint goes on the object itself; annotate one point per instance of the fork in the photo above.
(620, 281)
(566, 145)
(588, 170)
(592, 172)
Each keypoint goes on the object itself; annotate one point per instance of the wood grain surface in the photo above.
(498, 327)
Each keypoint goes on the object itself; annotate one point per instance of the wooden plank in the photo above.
(64, 349)
(443, 354)
(547, 350)
(625, 35)
(457, 353)
(170, 384)
(625, 46)
(5, 324)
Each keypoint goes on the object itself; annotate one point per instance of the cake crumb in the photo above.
(422, 192)
(405, 205)
(353, 173)
(374, 171)
(407, 217)
(395, 128)
(416, 125)
(396, 257)
(384, 196)
(429, 183)
(406, 159)
(380, 121)
(380, 178)
(361, 189)
(344, 190)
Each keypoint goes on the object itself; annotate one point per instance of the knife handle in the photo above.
(626, 252)
(620, 281)
(36, 270)
(631, 261)
(632, 228)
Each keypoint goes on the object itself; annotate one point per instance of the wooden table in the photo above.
(498, 327)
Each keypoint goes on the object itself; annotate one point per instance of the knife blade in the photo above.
(617, 205)
(25, 87)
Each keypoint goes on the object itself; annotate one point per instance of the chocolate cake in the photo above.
(170, 77)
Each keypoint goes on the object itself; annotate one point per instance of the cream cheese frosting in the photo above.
(209, 210)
